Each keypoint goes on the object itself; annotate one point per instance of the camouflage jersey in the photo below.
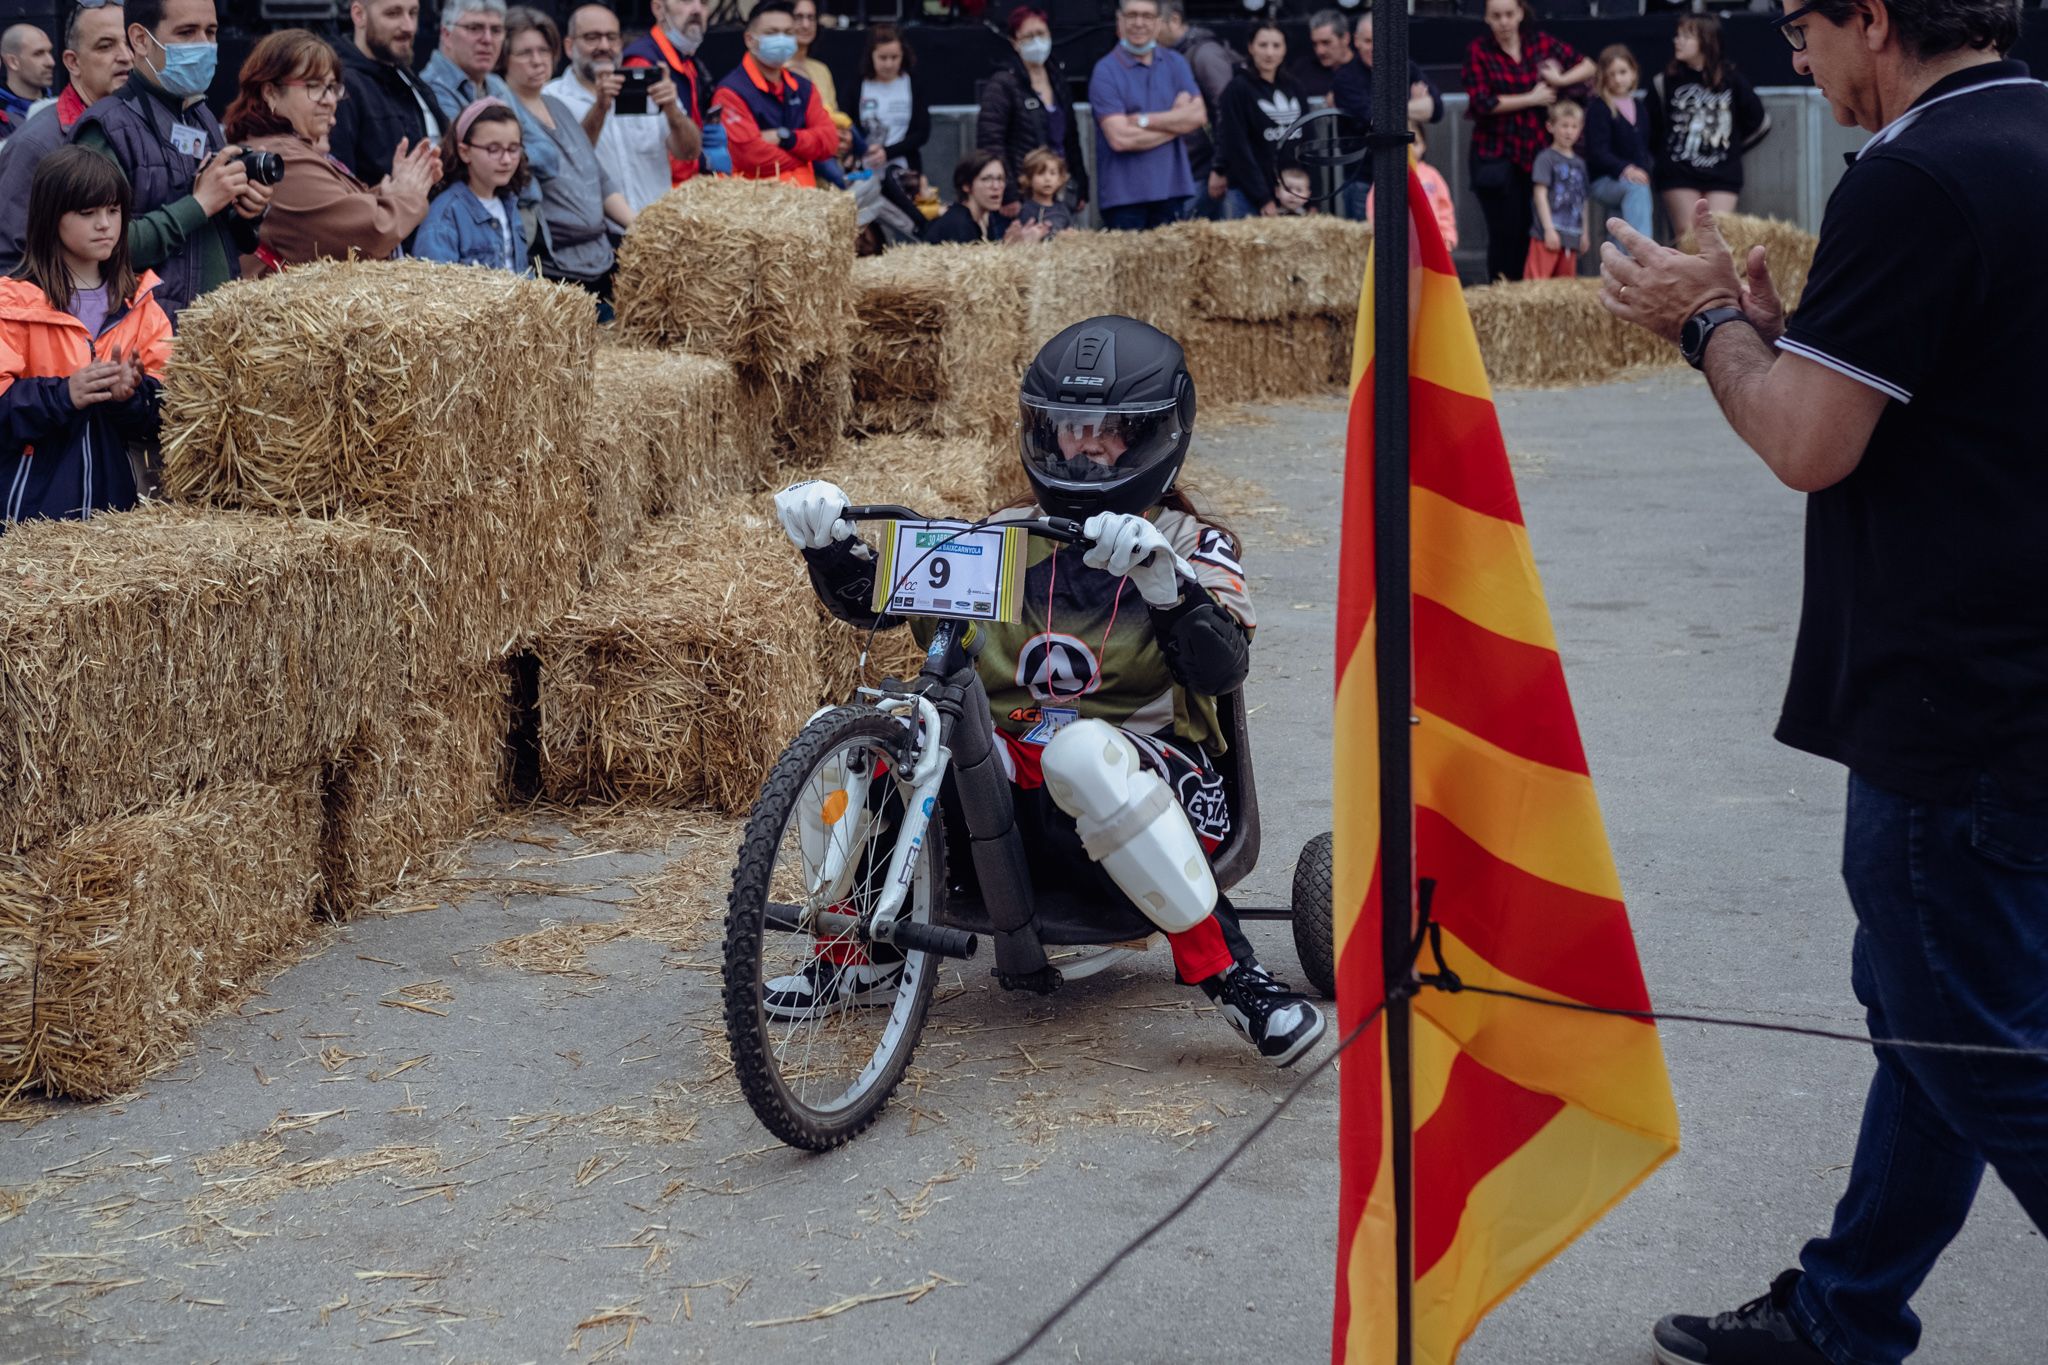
(1086, 646)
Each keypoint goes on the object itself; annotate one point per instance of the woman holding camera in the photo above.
(291, 86)
(581, 208)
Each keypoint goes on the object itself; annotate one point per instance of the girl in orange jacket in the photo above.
(82, 348)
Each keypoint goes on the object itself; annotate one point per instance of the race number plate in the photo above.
(940, 568)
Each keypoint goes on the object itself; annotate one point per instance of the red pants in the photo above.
(1198, 953)
(1545, 264)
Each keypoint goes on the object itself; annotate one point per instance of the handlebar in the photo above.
(1063, 529)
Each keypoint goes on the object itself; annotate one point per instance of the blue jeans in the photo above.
(1637, 207)
(1951, 946)
(1237, 204)
(1351, 200)
(1141, 217)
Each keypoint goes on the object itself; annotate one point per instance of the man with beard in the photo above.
(638, 150)
(96, 54)
(678, 32)
(387, 104)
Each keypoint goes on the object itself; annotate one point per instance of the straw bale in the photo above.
(1554, 333)
(21, 898)
(501, 561)
(1789, 249)
(664, 434)
(145, 653)
(399, 799)
(1261, 269)
(1242, 362)
(1156, 274)
(1069, 279)
(754, 272)
(143, 924)
(686, 671)
(805, 416)
(939, 347)
(941, 477)
(373, 387)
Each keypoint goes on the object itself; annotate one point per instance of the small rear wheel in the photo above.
(1315, 922)
(822, 1025)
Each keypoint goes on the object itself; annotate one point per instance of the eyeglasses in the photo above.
(498, 151)
(480, 30)
(320, 94)
(1795, 33)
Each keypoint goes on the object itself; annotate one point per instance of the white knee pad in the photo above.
(1130, 823)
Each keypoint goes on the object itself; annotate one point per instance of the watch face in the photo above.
(1692, 336)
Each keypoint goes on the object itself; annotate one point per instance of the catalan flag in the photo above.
(1529, 1122)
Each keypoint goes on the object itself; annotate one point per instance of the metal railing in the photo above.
(1788, 175)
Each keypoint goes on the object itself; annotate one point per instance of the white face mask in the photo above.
(1035, 50)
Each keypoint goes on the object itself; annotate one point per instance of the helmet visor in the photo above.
(1093, 448)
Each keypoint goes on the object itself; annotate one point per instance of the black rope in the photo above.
(1446, 980)
(1187, 1200)
(1455, 986)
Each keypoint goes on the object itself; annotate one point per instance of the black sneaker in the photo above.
(823, 987)
(1280, 1023)
(1761, 1332)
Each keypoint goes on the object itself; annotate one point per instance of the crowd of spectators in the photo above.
(517, 145)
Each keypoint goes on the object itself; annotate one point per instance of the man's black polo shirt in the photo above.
(1922, 660)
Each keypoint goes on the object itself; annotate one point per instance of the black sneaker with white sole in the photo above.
(1760, 1332)
(1280, 1023)
(824, 986)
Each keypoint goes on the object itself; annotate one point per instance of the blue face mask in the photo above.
(188, 67)
(1135, 49)
(775, 49)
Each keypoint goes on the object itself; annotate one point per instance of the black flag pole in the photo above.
(1395, 680)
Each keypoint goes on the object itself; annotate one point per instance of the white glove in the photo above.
(1132, 547)
(809, 512)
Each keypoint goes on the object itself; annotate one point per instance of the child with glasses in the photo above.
(475, 218)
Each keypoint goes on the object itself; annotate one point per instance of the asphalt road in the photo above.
(497, 1123)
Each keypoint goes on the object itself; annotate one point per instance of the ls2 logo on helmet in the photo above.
(1056, 667)
(1090, 381)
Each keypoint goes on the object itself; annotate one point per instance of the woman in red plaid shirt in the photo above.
(1512, 76)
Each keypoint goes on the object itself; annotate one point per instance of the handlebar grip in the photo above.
(936, 939)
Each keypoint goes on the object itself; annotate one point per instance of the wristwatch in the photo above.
(1699, 329)
(1144, 120)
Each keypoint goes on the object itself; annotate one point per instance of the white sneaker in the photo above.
(823, 987)
(1280, 1023)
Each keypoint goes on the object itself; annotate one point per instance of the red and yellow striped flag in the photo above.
(1529, 1123)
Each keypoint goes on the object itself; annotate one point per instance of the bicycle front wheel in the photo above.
(822, 1025)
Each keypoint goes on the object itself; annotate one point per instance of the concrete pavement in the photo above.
(498, 1124)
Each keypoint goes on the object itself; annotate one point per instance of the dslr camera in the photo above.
(263, 168)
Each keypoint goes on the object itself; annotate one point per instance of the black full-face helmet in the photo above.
(1107, 409)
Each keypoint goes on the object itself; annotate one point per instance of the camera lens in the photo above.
(265, 168)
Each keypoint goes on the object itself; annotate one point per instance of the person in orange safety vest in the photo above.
(776, 125)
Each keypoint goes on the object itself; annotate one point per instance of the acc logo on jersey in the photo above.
(1056, 667)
